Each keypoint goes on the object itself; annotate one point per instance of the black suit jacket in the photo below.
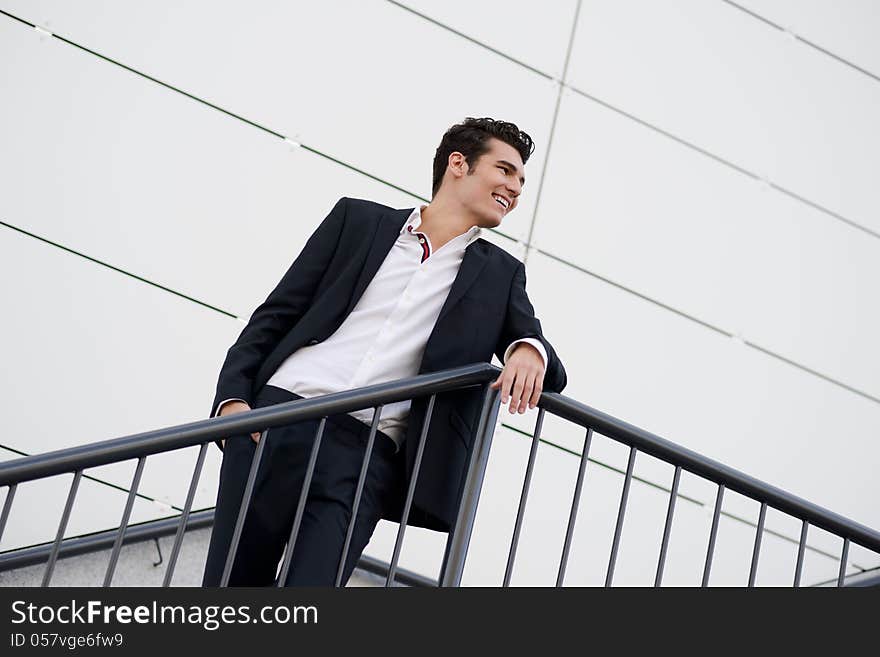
(487, 308)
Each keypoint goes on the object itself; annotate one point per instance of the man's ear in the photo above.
(457, 164)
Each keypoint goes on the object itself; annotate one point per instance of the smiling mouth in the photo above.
(500, 200)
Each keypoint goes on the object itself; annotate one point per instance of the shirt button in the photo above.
(421, 240)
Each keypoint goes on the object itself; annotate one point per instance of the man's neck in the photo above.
(443, 222)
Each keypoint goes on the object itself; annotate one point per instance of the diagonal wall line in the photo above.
(146, 280)
(117, 269)
(792, 194)
(809, 370)
(471, 39)
(803, 40)
(712, 327)
(679, 140)
(207, 103)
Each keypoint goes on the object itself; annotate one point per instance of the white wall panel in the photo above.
(711, 74)
(709, 393)
(99, 355)
(535, 34)
(847, 29)
(659, 218)
(112, 165)
(377, 98)
(104, 161)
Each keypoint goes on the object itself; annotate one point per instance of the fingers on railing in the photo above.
(517, 528)
(569, 532)
(368, 452)
(410, 492)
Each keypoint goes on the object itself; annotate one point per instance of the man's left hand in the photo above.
(522, 378)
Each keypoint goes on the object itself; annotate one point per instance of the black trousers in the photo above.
(318, 546)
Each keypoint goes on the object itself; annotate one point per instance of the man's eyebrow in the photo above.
(522, 179)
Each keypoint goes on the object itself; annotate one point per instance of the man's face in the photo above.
(491, 188)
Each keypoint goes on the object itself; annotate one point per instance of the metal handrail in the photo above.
(717, 472)
(62, 461)
(76, 459)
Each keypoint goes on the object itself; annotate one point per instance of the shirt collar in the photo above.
(415, 220)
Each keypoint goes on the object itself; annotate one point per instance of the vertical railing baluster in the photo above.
(410, 493)
(458, 541)
(368, 452)
(62, 526)
(714, 532)
(572, 516)
(756, 551)
(511, 557)
(800, 557)
(184, 517)
(620, 516)
(242, 510)
(667, 529)
(7, 505)
(841, 574)
(123, 523)
(301, 506)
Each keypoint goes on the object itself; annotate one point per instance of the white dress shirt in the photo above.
(384, 336)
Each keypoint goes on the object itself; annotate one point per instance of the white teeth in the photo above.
(501, 200)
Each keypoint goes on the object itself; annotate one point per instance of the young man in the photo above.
(376, 295)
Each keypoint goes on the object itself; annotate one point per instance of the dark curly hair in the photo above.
(471, 139)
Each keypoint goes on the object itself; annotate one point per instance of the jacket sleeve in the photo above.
(280, 311)
(520, 322)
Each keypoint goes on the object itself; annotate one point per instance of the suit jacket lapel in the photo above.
(387, 231)
(476, 255)
(475, 258)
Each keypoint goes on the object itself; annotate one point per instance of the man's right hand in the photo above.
(237, 407)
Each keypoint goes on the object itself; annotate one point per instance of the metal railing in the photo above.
(724, 477)
(140, 446)
(77, 459)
